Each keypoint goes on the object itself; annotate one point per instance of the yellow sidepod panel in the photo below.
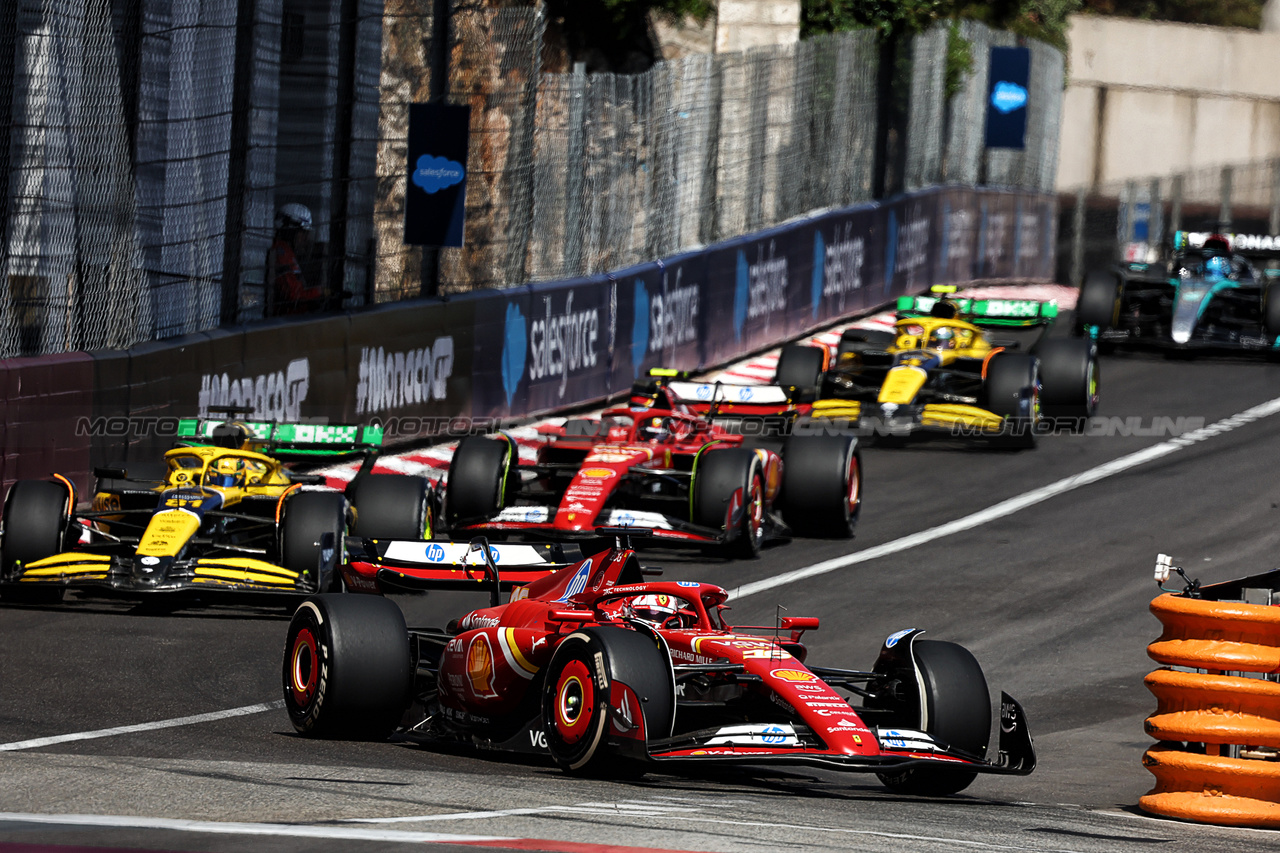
(167, 533)
(902, 384)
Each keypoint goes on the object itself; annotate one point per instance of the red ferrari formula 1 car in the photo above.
(660, 466)
(611, 674)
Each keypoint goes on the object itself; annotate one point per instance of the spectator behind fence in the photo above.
(290, 292)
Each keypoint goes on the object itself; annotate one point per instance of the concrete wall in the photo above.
(1152, 98)
(743, 24)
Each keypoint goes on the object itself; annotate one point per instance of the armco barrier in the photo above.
(1217, 760)
(526, 351)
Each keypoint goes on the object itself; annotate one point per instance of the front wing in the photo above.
(115, 574)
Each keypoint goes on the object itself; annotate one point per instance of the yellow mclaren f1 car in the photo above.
(223, 518)
(942, 370)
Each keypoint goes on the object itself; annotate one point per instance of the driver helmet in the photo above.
(225, 472)
(1217, 268)
(294, 216)
(655, 609)
(654, 429)
(944, 337)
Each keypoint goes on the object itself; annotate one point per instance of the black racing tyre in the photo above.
(347, 670)
(478, 479)
(1099, 300)
(37, 521)
(1069, 378)
(821, 485)
(956, 710)
(800, 365)
(307, 517)
(576, 693)
(861, 340)
(717, 476)
(391, 506)
(1012, 391)
(1271, 311)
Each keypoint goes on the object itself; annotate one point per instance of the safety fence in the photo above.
(432, 367)
(147, 145)
(1134, 219)
(1218, 712)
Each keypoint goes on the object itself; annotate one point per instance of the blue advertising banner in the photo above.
(435, 198)
(1008, 81)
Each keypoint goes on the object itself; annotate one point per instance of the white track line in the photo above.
(143, 727)
(1019, 502)
(296, 831)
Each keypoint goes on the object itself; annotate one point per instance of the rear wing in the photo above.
(706, 393)
(282, 440)
(426, 565)
(986, 312)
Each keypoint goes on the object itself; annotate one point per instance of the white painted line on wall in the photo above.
(1016, 503)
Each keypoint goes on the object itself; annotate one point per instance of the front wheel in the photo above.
(728, 494)
(480, 479)
(312, 530)
(347, 668)
(37, 520)
(1069, 377)
(800, 366)
(953, 706)
(1012, 391)
(391, 506)
(1099, 302)
(821, 485)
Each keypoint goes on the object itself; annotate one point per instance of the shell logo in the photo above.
(480, 667)
(794, 675)
(596, 473)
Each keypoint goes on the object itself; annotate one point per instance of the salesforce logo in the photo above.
(435, 553)
(1007, 97)
(437, 173)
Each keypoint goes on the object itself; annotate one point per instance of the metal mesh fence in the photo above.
(149, 144)
(1134, 219)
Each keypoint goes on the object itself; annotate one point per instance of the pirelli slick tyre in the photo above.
(577, 692)
(1069, 378)
(801, 366)
(347, 670)
(950, 701)
(479, 479)
(1012, 391)
(36, 524)
(312, 530)
(821, 485)
(1099, 300)
(718, 475)
(391, 506)
(1271, 311)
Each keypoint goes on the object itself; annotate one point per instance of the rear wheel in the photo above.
(311, 537)
(801, 366)
(1012, 391)
(391, 506)
(1069, 377)
(821, 485)
(1271, 311)
(36, 523)
(728, 494)
(479, 479)
(955, 708)
(347, 670)
(1099, 300)
(577, 693)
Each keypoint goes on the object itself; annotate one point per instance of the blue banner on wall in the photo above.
(1008, 82)
(435, 198)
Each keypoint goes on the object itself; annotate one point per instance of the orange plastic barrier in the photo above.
(1213, 712)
